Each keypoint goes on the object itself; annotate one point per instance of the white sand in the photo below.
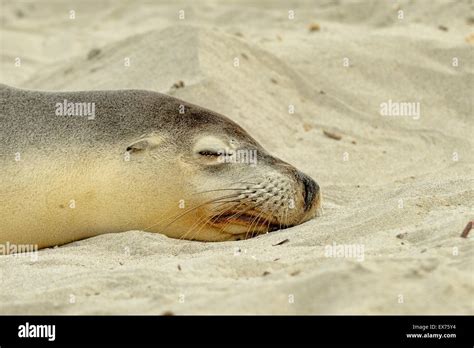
(401, 176)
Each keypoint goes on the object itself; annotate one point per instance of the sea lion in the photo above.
(80, 164)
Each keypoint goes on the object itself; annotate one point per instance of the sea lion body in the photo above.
(138, 161)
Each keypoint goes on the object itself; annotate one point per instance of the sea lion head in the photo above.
(224, 185)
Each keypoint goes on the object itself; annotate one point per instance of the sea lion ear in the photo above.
(142, 144)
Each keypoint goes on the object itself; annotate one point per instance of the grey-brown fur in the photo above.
(28, 118)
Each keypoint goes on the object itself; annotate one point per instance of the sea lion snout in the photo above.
(310, 190)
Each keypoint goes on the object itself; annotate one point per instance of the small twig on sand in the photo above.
(282, 242)
(467, 229)
(332, 135)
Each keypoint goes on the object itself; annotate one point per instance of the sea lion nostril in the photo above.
(310, 190)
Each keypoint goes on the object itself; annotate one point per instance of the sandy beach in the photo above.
(373, 99)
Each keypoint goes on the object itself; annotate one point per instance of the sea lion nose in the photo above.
(310, 190)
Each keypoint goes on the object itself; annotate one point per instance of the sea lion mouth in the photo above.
(255, 221)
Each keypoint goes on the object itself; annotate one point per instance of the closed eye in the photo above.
(210, 153)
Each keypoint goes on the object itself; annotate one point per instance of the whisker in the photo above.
(207, 221)
(246, 210)
(273, 215)
(243, 212)
(190, 210)
(225, 189)
(256, 221)
(203, 222)
(246, 182)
